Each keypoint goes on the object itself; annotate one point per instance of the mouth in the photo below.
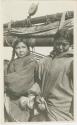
(21, 55)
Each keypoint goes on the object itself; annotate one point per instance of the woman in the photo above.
(56, 76)
(20, 83)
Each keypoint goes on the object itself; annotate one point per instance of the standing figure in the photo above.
(20, 83)
(56, 83)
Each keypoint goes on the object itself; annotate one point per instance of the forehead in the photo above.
(21, 44)
(63, 42)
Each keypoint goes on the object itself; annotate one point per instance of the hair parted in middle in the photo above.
(18, 40)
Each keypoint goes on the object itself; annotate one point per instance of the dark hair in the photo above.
(25, 41)
(61, 40)
(63, 35)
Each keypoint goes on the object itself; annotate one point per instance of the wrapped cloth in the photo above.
(21, 81)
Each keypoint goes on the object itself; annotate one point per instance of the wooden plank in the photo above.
(43, 34)
(37, 41)
(39, 31)
(42, 19)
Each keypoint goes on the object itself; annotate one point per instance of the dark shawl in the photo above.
(21, 75)
(20, 79)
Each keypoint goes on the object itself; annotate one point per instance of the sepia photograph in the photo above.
(38, 61)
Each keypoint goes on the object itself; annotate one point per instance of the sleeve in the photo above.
(72, 86)
(71, 74)
(6, 63)
(71, 71)
(11, 67)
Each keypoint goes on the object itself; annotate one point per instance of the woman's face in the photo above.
(62, 47)
(21, 50)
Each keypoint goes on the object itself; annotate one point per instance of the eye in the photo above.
(17, 47)
(24, 47)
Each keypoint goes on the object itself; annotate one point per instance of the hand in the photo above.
(41, 107)
(30, 101)
(41, 103)
(23, 102)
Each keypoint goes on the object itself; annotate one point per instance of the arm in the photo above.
(11, 67)
(72, 86)
(70, 75)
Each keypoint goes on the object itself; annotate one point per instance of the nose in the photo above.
(21, 49)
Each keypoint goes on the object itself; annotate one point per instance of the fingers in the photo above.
(40, 103)
(23, 102)
(41, 107)
(30, 103)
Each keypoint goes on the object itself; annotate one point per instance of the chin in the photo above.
(22, 56)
